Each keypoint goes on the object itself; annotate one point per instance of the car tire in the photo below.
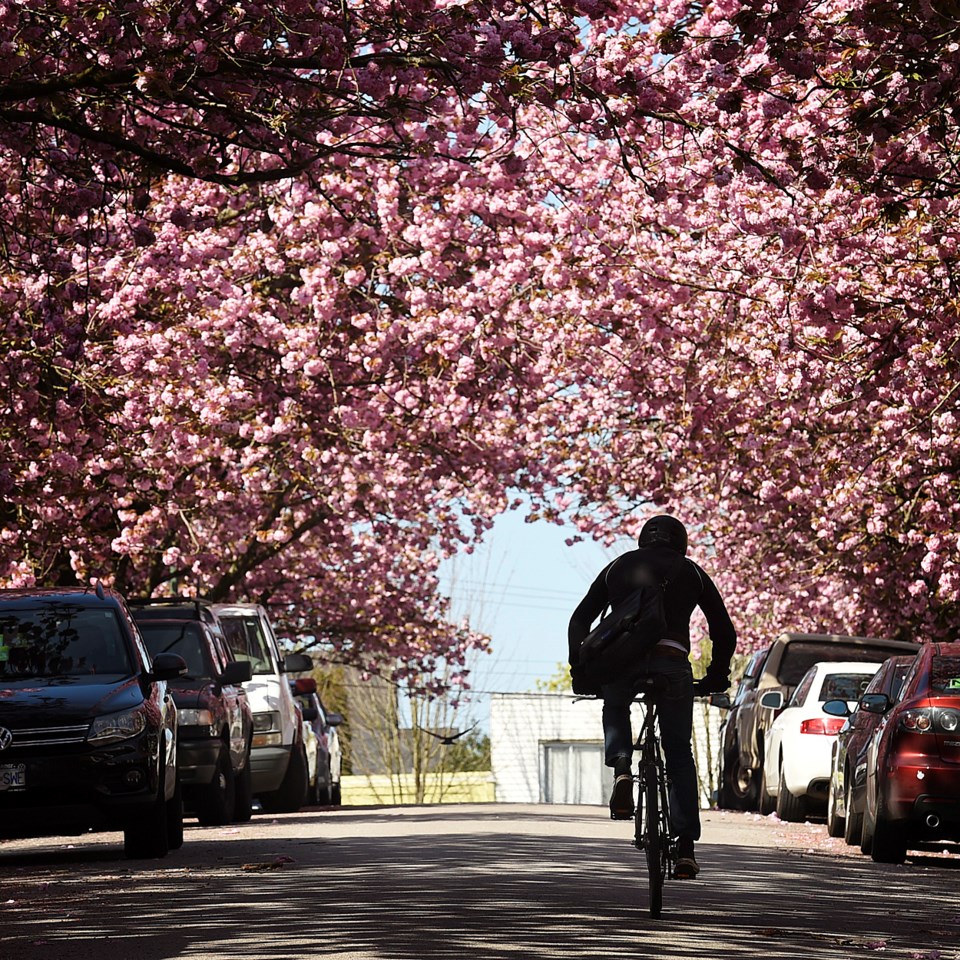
(292, 793)
(866, 834)
(215, 801)
(790, 809)
(739, 785)
(889, 841)
(146, 838)
(243, 793)
(766, 804)
(323, 794)
(835, 823)
(175, 818)
(853, 823)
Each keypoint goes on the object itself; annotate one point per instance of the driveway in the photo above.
(490, 881)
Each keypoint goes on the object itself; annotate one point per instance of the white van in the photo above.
(278, 757)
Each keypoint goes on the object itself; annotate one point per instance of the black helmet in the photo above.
(664, 531)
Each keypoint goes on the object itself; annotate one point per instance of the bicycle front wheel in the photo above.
(653, 840)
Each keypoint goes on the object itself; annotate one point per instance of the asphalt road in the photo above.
(486, 881)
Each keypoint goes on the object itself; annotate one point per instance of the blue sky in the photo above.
(520, 587)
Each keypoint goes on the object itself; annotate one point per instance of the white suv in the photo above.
(278, 758)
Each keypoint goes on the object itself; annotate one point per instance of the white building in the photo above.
(546, 748)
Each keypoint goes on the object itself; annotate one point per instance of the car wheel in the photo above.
(292, 794)
(889, 841)
(243, 794)
(853, 824)
(866, 834)
(146, 837)
(216, 800)
(739, 783)
(175, 818)
(790, 808)
(835, 823)
(322, 790)
(766, 803)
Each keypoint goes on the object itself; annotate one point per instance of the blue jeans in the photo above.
(675, 709)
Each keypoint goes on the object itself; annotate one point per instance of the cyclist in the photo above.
(662, 548)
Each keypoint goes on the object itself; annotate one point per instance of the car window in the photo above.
(223, 655)
(899, 672)
(247, 640)
(800, 655)
(62, 639)
(185, 639)
(945, 675)
(844, 686)
(803, 688)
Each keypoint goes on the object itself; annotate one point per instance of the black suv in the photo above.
(216, 723)
(88, 727)
(780, 666)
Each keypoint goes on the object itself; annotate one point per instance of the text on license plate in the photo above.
(13, 776)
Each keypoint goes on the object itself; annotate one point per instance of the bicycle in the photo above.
(652, 816)
(652, 832)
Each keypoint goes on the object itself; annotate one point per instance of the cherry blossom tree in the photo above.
(705, 263)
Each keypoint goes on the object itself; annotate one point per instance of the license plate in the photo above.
(13, 776)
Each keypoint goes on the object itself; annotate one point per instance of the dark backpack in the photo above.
(613, 648)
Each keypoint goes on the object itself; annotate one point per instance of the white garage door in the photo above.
(573, 773)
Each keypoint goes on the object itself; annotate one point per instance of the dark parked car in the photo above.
(324, 766)
(88, 726)
(216, 723)
(781, 666)
(913, 762)
(848, 761)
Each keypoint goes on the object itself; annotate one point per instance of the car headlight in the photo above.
(266, 729)
(117, 726)
(189, 717)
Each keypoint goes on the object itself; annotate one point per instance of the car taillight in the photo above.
(930, 720)
(828, 725)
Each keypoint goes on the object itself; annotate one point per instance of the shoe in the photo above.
(621, 800)
(687, 867)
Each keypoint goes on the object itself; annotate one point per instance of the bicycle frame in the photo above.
(652, 824)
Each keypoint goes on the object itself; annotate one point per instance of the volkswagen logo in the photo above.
(6, 737)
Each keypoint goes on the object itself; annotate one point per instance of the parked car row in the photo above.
(873, 745)
(324, 758)
(780, 667)
(117, 716)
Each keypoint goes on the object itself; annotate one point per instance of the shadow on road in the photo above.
(437, 894)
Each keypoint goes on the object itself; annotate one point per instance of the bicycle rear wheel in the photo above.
(653, 839)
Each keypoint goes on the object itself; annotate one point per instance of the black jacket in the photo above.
(688, 586)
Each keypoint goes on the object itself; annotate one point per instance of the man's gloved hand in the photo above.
(711, 683)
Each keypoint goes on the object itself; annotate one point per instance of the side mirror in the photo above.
(310, 714)
(238, 671)
(297, 663)
(772, 700)
(721, 700)
(875, 703)
(837, 708)
(167, 666)
(334, 719)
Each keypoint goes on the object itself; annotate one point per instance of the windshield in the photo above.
(844, 686)
(184, 639)
(945, 675)
(57, 639)
(246, 639)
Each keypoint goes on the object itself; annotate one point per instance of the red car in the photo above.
(913, 765)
